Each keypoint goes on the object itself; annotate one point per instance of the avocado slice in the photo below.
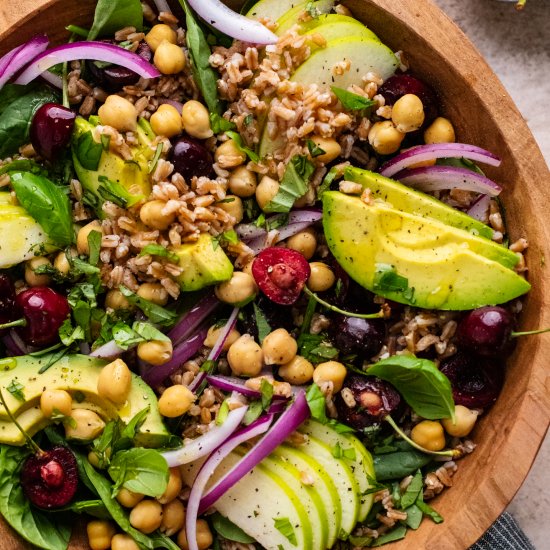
(104, 173)
(405, 198)
(416, 260)
(77, 374)
(204, 263)
(22, 235)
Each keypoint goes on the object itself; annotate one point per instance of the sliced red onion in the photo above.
(22, 57)
(53, 79)
(289, 421)
(176, 104)
(14, 345)
(217, 349)
(97, 51)
(433, 151)
(480, 208)
(107, 351)
(186, 349)
(437, 178)
(232, 23)
(84, 348)
(162, 6)
(193, 318)
(5, 60)
(230, 383)
(248, 231)
(255, 429)
(205, 444)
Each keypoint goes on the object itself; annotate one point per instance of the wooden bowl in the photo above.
(509, 436)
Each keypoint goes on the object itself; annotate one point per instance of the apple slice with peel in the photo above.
(294, 16)
(273, 9)
(332, 26)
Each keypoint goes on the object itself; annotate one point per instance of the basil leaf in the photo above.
(413, 490)
(423, 386)
(23, 165)
(94, 246)
(397, 533)
(293, 185)
(139, 470)
(314, 349)
(286, 529)
(16, 389)
(113, 15)
(161, 251)
(199, 53)
(220, 124)
(148, 332)
(351, 101)
(16, 116)
(228, 530)
(386, 278)
(399, 465)
(314, 149)
(414, 516)
(47, 204)
(242, 147)
(427, 510)
(88, 151)
(115, 192)
(266, 390)
(316, 403)
(10, 92)
(155, 313)
(94, 508)
(262, 323)
(331, 175)
(254, 411)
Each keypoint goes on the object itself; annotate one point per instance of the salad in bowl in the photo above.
(254, 292)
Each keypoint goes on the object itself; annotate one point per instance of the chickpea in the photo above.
(175, 401)
(82, 236)
(204, 537)
(321, 277)
(228, 155)
(240, 289)
(330, 146)
(465, 421)
(248, 268)
(87, 425)
(146, 516)
(116, 300)
(385, 138)
(155, 352)
(34, 279)
(441, 130)
(100, 533)
(160, 33)
(173, 488)
(153, 292)
(128, 498)
(123, 542)
(61, 262)
(118, 113)
(245, 357)
(266, 191)
(196, 119)
(242, 182)
(173, 517)
(304, 242)
(169, 58)
(298, 371)
(429, 434)
(408, 113)
(151, 215)
(279, 347)
(114, 382)
(54, 402)
(233, 205)
(330, 371)
(213, 334)
(166, 121)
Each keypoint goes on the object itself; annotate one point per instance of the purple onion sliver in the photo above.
(25, 55)
(293, 417)
(12, 346)
(6, 59)
(107, 351)
(176, 104)
(162, 6)
(258, 427)
(193, 318)
(52, 79)
(480, 208)
(84, 348)
(96, 51)
(438, 178)
(224, 333)
(434, 151)
(229, 383)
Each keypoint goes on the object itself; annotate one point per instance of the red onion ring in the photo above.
(21, 57)
(480, 208)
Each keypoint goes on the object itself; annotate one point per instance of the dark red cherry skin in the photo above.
(374, 399)
(8, 310)
(281, 274)
(44, 310)
(399, 85)
(487, 331)
(476, 381)
(115, 77)
(51, 130)
(361, 337)
(50, 479)
(190, 158)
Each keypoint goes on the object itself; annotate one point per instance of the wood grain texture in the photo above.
(509, 436)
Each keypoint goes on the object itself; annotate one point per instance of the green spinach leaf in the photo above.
(423, 386)
(113, 15)
(397, 533)
(414, 516)
(413, 490)
(427, 510)
(47, 204)
(228, 530)
(398, 465)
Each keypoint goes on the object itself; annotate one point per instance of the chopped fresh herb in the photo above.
(105, 141)
(228, 530)
(254, 411)
(312, 10)
(115, 192)
(94, 245)
(225, 201)
(155, 313)
(266, 389)
(315, 349)
(154, 161)
(387, 279)
(316, 403)
(410, 496)
(223, 412)
(262, 323)
(161, 251)
(351, 101)
(242, 147)
(219, 124)
(248, 119)
(284, 526)
(69, 334)
(276, 222)
(427, 510)
(88, 151)
(16, 389)
(414, 516)
(314, 149)
(338, 452)
(225, 238)
(360, 542)
(397, 533)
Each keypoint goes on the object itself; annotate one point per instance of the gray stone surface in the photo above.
(517, 46)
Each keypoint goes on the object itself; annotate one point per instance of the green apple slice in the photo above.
(273, 9)
(332, 26)
(354, 452)
(322, 483)
(292, 17)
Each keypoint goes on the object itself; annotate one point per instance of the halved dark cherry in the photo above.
(8, 311)
(352, 335)
(190, 158)
(51, 130)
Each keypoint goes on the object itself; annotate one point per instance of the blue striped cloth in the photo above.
(504, 534)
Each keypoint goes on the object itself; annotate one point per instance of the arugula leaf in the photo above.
(293, 185)
(139, 470)
(314, 149)
(88, 151)
(397, 533)
(47, 204)
(262, 323)
(286, 529)
(16, 389)
(386, 278)
(94, 245)
(413, 490)
(113, 15)
(351, 101)
(228, 530)
(423, 386)
(155, 313)
(242, 147)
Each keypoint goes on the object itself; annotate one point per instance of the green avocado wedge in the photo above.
(415, 260)
(409, 200)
